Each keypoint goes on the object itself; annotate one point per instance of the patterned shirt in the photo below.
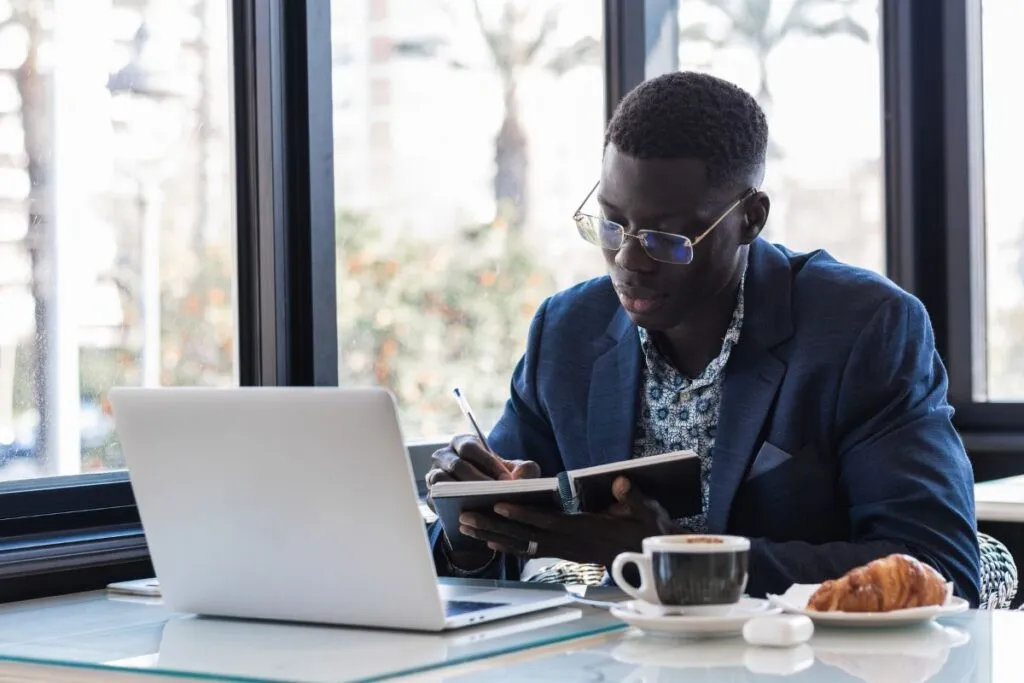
(678, 413)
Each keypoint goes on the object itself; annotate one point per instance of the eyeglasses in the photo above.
(665, 247)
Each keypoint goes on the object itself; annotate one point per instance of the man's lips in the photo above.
(639, 300)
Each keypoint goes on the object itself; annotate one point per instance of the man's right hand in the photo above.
(466, 459)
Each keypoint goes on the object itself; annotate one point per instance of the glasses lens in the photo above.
(599, 231)
(668, 248)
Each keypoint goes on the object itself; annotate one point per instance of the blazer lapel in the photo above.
(614, 387)
(752, 377)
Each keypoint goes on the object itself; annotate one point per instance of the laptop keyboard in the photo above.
(454, 608)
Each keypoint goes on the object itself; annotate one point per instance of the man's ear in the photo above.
(755, 216)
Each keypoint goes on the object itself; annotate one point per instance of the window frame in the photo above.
(935, 147)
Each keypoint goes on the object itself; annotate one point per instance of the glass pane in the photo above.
(116, 256)
(465, 135)
(1004, 213)
(813, 65)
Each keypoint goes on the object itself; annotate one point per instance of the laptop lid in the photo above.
(294, 504)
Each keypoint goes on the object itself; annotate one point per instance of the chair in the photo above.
(998, 574)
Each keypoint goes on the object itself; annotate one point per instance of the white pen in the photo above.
(468, 412)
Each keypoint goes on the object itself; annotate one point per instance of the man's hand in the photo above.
(591, 538)
(466, 459)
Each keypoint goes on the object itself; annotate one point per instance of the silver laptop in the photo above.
(292, 504)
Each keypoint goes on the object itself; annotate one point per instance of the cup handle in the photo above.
(646, 590)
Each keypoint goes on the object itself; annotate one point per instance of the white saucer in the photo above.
(796, 598)
(652, 619)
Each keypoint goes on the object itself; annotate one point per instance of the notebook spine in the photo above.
(570, 502)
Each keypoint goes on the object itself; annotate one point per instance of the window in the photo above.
(149, 234)
(116, 218)
(815, 69)
(1004, 214)
(466, 132)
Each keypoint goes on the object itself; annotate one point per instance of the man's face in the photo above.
(673, 196)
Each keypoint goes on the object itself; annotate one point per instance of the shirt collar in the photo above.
(663, 370)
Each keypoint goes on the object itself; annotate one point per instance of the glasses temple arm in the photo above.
(746, 195)
(586, 199)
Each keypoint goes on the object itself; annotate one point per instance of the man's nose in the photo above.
(632, 256)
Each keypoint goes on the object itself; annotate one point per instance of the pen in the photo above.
(468, 412)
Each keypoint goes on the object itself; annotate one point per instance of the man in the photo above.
(811, 390)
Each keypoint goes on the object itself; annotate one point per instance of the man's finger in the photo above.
(638, 504)
(470, 449)
(523, 469)
(620, 510)
(459, 469)
(497, 525)
(534, 517)
(507, 544)
(437, 475)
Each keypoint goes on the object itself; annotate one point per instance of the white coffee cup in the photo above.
(699, 574)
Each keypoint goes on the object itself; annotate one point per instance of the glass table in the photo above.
(100, 634)
(982, 647)
(103, 632)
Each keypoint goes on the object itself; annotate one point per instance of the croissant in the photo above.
(890, 583)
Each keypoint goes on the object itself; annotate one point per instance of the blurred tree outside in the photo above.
(31, 80)
(167, 209)
(761, 26)
(520, 35)
(418, 314)
(844, 216)
(415, 314)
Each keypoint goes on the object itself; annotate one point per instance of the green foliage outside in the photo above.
(418, 316)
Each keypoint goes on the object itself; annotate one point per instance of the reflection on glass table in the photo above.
(105, 633)
(956, 649)
(262, 651)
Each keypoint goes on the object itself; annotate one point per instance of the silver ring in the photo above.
(531, 549)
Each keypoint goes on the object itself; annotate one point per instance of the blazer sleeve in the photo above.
(903, 470)
(522, 433)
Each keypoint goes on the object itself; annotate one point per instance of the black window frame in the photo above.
(75, 533)
(934, 152)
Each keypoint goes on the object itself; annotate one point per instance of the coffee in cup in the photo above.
(700, 574)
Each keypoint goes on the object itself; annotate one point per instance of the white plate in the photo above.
(796, 598)
(653, 620)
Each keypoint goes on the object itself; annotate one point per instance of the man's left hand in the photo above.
(590, 538)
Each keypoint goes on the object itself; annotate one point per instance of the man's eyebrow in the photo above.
(647, 220)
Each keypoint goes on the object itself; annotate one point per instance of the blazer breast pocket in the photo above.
(784, 494)
(777, 476)
(768, 458)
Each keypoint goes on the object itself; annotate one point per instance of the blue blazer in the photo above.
(834, 443)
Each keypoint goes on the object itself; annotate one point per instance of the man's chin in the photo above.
(651, 321)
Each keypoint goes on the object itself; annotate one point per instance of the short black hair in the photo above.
(687, 114)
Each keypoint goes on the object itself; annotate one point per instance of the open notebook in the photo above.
(672, 479)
